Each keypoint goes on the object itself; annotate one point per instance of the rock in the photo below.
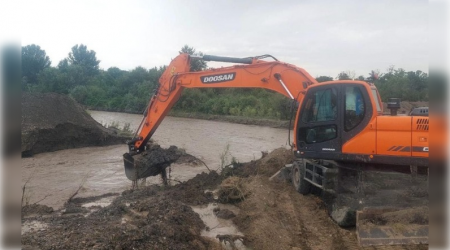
(225, 214)
(344, 216)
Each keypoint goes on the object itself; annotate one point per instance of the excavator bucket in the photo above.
(148, 163)
(136, 169)
(131, 171)
(374, 228)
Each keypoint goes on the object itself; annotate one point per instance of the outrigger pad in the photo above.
(373, 229)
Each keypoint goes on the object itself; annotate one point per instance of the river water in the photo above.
(53, 177)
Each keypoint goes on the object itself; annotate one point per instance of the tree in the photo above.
(115, 72)
(324, 78)
(196, 64)
(85, 58)
(343, 76)
(409, 86)
(34, 60)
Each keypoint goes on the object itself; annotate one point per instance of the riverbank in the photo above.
(235, 119)
(406, 107)
(266, 122)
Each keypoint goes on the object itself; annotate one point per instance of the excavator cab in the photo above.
(331, 114)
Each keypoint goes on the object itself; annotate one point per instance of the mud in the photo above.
(36, 209)
(154, 217)
(215, 226)
(155, 160)
(53, 122)
(232, 190)
(267, 166)
(271, 216)
(225, 214)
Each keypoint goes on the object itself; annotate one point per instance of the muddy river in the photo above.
(53, 177)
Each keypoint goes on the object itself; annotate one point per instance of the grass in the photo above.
(124, 131)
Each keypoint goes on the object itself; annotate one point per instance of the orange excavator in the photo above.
(339, 127)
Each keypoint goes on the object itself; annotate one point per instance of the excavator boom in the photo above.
(283, 78)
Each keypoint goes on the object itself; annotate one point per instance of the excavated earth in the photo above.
(152, 217)
(53, 122)
(272, 215)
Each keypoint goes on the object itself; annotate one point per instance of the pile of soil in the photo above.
(36, 209)
(53, 122)
(232, 190)
(154, 217)
(268, 165)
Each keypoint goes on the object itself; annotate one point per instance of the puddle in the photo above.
(218, 226)
(104, 202)
(33, 225)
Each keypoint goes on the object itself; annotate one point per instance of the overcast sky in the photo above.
(323, 37)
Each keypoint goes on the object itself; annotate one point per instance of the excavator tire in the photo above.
(298, 174)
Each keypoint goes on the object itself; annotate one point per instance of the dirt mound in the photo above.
(232, 190)
(53, 122)
(36, 209)
(153, 217)
(268, 165)
(195, 191)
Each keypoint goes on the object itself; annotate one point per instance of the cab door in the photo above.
(318, 132)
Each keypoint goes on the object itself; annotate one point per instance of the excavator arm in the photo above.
(283, 78)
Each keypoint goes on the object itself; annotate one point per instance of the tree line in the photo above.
(80, 76)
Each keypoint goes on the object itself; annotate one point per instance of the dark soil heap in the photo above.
(53, 122)
(153, 217)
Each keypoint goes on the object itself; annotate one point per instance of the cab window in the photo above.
(321, 106)
(375, 97)
(354, 107)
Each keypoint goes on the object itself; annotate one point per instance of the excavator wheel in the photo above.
(298, 173)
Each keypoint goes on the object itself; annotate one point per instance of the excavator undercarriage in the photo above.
(388, 204)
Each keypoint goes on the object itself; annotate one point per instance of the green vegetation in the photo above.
(114, 89)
